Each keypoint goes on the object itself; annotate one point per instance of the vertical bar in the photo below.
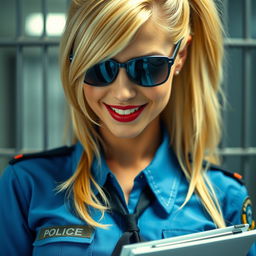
(246, 123)
(246, 84)
(19, 99)
(18, 19)
(247, 19)
(19, 81)
(44, 14)
(45, 96)
(223, 143)
(225, 14)
(44, 74)
(250, 175)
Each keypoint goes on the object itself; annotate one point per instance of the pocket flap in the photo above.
(168, 233)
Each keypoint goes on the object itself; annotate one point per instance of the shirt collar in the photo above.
(163, 174)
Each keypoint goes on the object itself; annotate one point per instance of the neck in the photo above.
(129, 151)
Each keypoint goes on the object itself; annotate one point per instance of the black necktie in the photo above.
(132, 233)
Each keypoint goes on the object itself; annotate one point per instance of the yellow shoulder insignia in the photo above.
(247, 213)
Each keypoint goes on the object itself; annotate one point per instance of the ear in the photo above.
(182, 55)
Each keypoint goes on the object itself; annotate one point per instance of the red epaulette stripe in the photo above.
(18, 156)
(238, 176)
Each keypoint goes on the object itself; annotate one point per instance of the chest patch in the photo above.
(247, 213)
(65, 231)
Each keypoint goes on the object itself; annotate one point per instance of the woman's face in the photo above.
(124, 108)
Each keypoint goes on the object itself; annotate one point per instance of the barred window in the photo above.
(32, 100)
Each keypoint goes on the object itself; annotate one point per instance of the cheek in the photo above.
(92, 94)
(160, 95)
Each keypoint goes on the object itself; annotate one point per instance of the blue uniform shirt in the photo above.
(36, 220)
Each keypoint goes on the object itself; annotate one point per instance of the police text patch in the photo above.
(66, 231)
(247, 213)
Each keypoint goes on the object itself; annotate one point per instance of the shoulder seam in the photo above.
(238, 177)
(65, 150)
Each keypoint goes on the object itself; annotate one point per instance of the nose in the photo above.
(123, 89)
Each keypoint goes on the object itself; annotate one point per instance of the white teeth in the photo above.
(124, 112)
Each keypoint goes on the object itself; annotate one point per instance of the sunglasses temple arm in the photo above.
(176, 49)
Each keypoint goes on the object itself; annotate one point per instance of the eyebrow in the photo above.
(153, 53)
(143, 55)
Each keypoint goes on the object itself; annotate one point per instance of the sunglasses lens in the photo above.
(149, 71)
(101, 74)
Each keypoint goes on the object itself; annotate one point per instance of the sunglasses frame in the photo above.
(170, 61)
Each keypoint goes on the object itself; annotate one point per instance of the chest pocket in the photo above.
(168, 233)
(64, 241)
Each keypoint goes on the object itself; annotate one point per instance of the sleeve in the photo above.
(239, 210)
(15, 236)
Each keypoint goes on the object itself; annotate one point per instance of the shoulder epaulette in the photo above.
(48, 153)
(238, 177)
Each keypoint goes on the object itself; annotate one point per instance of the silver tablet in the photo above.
(235, 240)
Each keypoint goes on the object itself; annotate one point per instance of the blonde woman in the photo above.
(142, 80)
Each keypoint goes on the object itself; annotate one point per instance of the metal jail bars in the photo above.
(246, 43)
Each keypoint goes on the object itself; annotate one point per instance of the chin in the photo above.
(125, 133)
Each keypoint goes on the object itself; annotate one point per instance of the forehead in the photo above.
(149, 39)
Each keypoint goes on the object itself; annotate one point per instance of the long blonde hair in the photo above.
(98, 30)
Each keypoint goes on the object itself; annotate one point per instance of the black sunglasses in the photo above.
(147, 71)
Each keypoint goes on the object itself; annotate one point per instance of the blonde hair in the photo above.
(98, 30)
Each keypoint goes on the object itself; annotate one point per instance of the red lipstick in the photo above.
(125, 113)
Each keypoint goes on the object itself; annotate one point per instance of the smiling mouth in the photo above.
(125, 113)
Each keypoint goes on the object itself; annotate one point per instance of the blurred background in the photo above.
(33, 112)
